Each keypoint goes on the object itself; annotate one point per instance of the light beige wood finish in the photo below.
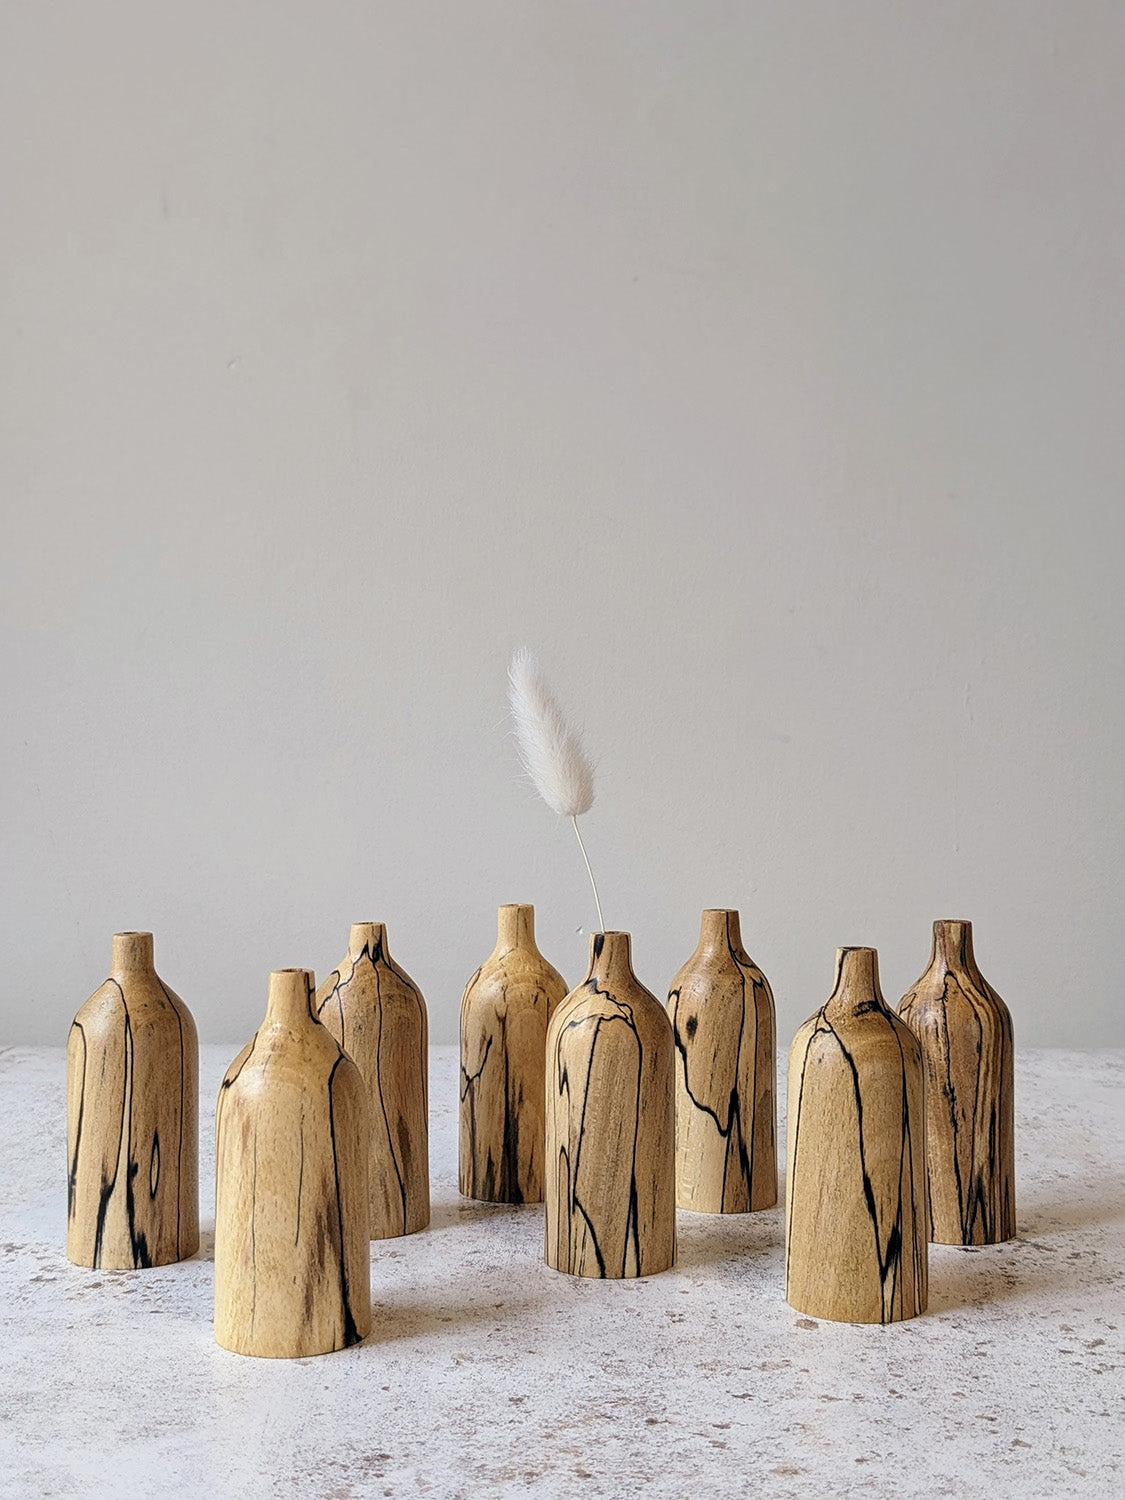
(722, 1014)
(505, 1011)
(856, 1217)
(132, 1068)
(967, 1052)
(291, 1243)
(376, 1012)
(610, 1188)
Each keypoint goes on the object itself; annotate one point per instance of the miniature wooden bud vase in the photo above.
(610, 1190)
(132, 1064)
(966, 1034)
(291, 1242)
(856, 1218)
(722, 1015)
(505, 1011)
(377, 1014)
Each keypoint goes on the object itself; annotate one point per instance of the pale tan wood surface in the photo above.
(376, 1012)
(505, 1011)
(856, 1218)
(967, 1052)
(132, 1119)
(291, 1193)
(610, 1189)
(722, 1013)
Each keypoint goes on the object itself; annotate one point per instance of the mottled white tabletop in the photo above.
(489, 1375)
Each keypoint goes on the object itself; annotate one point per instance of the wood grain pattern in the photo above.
(132, 1066)
(505, 1011)
(610, 1189)
(291, 1242)
(968, 1055)
(857, 1219)
(722, 1013)
(377, 1014)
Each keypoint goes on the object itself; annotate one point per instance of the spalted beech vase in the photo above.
(132, 1094)
(966, 1035)
(722, 1015)
(610, 1190)
(856, 1214)
(291, 1245)
(505, 1010)
(376, 1012)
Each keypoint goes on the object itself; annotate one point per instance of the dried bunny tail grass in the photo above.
(550, 750)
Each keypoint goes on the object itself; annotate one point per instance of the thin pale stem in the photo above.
(593, 882)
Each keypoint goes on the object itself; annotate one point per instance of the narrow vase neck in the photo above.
(857, 983)
(719, 933)
(515, 928)
(953, 947)
(132, 952)
(369, 937)
(290, 1001)
(611, 961)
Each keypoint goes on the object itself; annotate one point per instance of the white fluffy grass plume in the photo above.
(551, 752)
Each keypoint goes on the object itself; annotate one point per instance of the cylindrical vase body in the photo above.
(722, 1013)
(856, 1216)
(505, 1012)
(377, 1014)
(132, 1063)
(610, 1191)
(965, 1031)
(291, 1241)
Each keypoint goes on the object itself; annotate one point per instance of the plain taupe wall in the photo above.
(760, 365)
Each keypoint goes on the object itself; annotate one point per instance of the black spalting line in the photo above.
(72, 1174)
(138, 1241)
(337, 983)
(183, 1106)
(468, 1093)
(573, 1202)
(300, 1180)
(106, 1188)
(231, 1077)
(397, 1166)
(352, 1334)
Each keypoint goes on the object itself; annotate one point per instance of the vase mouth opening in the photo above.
(132, 950)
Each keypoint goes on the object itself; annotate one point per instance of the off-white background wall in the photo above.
(761, 365)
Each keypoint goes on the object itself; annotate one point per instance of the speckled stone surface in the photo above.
(488, 1375)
